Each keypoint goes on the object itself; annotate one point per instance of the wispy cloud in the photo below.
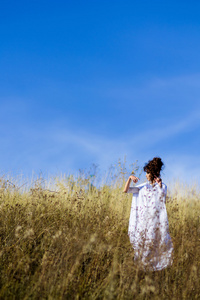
(55, 147)
(171, 87)
(167, 130)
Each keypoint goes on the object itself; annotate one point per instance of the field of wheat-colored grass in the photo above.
(67, 239)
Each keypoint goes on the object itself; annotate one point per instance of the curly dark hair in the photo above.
(154, 167)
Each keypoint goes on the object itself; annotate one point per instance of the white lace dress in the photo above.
(148, 227)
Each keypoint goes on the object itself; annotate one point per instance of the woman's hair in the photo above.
(154, 167)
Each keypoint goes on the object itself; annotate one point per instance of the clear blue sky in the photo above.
(85, 82)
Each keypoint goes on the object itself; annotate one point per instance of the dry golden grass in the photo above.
(73, 244)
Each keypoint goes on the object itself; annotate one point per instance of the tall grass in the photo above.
(68, 240)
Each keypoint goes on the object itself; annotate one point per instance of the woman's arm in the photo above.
(134, 179)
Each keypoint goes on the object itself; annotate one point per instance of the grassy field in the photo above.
(68, 240)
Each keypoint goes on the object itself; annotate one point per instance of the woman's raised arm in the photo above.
(134, 179)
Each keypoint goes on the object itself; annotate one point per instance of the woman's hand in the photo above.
(134, 178)
(159, 181)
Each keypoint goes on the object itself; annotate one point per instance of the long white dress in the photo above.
(148, 227)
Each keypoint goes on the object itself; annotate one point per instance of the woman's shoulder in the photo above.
(147, 185)
(164, 185)
(141, 185)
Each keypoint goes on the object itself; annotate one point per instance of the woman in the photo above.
(148, 223)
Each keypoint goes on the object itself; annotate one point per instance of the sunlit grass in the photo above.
(67, 239)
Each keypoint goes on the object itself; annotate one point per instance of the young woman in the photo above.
(148, 224)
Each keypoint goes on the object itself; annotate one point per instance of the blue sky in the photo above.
(86, 82)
